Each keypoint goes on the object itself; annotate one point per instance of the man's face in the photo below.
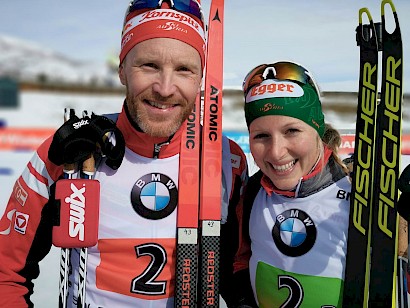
(162, 77)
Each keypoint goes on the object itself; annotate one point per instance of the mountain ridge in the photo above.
(29, 61)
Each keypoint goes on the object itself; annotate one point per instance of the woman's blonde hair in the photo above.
(333, 140)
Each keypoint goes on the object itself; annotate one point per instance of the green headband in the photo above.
(283, 97)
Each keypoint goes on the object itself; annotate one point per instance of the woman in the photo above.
(296, 207)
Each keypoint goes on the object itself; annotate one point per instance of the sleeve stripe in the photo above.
(37, 177)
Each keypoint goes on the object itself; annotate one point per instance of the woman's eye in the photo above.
(292, 131)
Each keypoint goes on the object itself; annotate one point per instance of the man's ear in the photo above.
(121, 74)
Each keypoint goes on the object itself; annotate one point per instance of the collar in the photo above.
(144, 144)
(308, 184)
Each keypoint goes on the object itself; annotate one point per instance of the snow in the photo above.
(28, 61)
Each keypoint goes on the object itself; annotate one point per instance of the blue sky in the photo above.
(320, 34)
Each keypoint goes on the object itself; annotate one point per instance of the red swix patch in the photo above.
(79, 213)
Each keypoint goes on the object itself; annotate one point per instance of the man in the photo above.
(161, 65)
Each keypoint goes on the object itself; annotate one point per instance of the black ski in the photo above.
(358, 245)
(371, 268)
(387, 168)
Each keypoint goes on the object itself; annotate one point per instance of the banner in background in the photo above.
(30, 138)
(27, 139)
(346, 148)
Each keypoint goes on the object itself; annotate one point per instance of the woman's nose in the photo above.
(277, 148)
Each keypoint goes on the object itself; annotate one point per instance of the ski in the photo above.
(188, 213)
(200, 169)
(371, 268)
(211, 161)
(358, 245)
(387, 168)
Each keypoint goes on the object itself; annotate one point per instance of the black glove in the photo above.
(78, 138)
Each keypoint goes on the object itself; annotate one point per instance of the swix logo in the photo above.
(77, 212)
(168, 26)
(20, 194)
(20, 222)
(78, 124)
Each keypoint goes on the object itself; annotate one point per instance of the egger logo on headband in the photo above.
(274, 88)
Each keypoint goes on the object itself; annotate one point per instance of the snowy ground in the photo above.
(46, 110)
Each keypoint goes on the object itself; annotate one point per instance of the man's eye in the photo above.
(150, 65)
(260, 136)
(183, 69)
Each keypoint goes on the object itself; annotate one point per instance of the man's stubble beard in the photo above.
(158, 130)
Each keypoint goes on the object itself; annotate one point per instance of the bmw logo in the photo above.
(154, 196)
(294, 232)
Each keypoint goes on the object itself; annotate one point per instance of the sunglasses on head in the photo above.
(280, 70)
(185, 6)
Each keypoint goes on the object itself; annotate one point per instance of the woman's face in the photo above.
(284, 148)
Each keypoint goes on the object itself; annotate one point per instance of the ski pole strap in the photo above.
(110, 139)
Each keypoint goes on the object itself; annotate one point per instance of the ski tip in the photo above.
(362, 11)
(396, 30)
(365, 32)
(390, 3)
